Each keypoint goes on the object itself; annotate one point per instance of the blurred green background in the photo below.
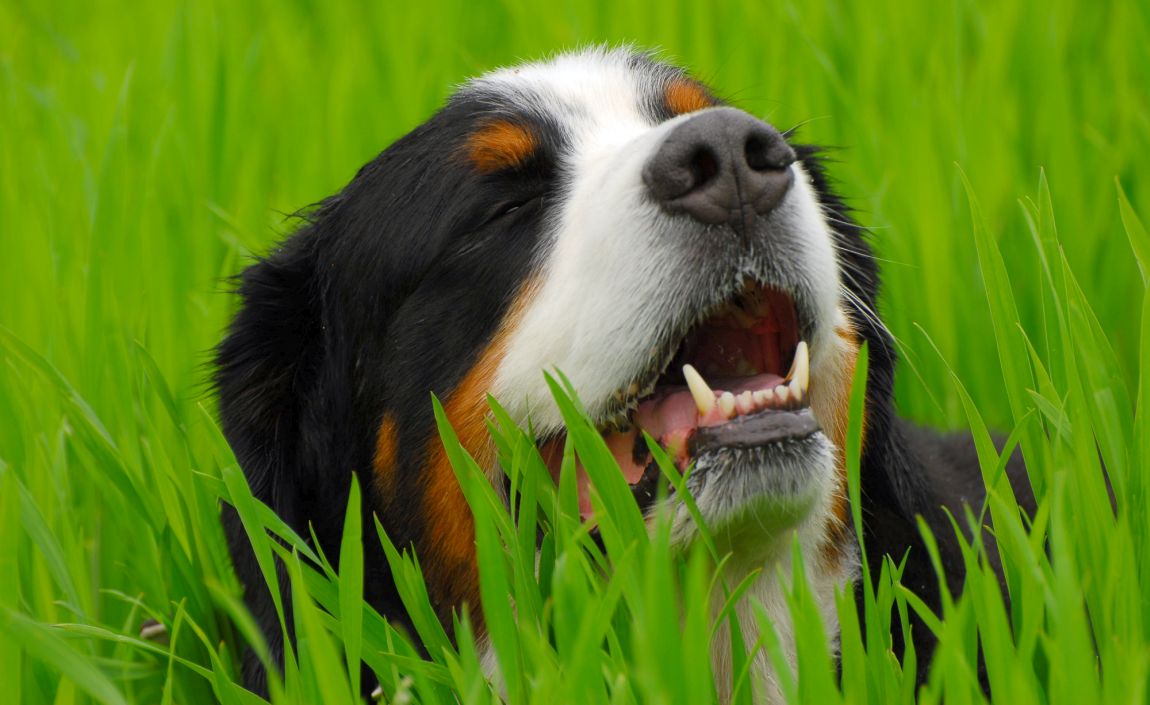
(149, 149)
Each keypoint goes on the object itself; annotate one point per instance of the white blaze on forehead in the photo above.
(594, 97)
(594, 83)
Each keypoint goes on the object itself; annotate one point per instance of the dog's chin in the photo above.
(753, 497)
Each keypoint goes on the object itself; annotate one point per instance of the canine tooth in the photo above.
(745, 403)
(801, 369)
(704, 397)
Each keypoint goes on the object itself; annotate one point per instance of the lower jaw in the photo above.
(763, 471)
(771, 486)
(763, 430)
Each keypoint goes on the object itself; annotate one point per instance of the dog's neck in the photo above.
(827, 572)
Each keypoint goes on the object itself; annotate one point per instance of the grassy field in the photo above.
(147, 150)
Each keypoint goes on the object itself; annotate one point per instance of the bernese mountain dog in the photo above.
(686, 267)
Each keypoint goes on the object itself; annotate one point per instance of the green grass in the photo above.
(148, 149)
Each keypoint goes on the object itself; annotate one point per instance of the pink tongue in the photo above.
(669, 416)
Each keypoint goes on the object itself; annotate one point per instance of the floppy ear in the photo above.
(267, 364)
(264, 368)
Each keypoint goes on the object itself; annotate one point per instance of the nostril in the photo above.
(703, 165)
(756, 153)
(768, 152)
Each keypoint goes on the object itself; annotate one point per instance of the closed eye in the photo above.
(507, 208)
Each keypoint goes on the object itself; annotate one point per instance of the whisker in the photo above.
(849, 224)
(867, 312)
(870, 256)
(802, 123)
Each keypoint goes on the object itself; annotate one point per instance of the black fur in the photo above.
(906, 471)
(418, 253)
(390, 291)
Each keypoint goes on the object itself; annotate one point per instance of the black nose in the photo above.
(721, 166)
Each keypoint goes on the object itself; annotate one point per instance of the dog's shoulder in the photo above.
(950, 467)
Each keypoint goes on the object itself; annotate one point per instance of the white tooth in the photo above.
(745, 403)
(764, 397)
(801, 370)
(783, 393)
(704, 397)
(727, 404)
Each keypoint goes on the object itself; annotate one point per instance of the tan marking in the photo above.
(448, 561)
(685, 96)
(385, 456)
(500, 144)
(449, 564)
(830, 400)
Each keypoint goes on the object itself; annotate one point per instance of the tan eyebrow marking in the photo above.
(500, 144)
(685, 96)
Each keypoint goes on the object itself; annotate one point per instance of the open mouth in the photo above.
(737, 379)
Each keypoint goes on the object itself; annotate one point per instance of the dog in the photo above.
(689, 270)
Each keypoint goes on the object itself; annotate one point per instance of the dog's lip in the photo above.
(755, 431)
(690, 421)
(768, 429)
(687, 420)
(678, 414)
(742, 349)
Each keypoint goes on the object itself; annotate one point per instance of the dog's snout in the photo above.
(721, 166)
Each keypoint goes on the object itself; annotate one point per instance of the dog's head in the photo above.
(601, 214)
